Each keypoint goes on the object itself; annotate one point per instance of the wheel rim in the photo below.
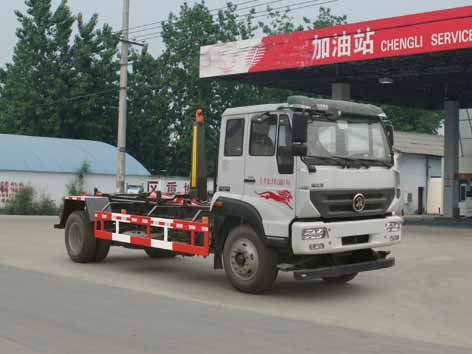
(75, 238)
(244, 259)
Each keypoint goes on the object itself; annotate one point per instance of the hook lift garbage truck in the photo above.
(308, 186)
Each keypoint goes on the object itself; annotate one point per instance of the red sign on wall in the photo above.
(399, 36)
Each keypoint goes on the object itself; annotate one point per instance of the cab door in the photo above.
(269, 182)
(231, 158)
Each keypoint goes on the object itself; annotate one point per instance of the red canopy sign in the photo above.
(398, 36)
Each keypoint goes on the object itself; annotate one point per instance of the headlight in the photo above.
(315, 233)
(394, 226)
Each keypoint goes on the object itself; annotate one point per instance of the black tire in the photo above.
(102, 249)
(250, 266)
(79, 239)
(341, 279)
(158, 253)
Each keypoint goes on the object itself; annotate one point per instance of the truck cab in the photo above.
(311, 177)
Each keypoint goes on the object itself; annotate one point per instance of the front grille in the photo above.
(355, 240)
(339, 204)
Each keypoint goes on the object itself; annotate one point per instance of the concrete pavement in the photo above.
(132, 304)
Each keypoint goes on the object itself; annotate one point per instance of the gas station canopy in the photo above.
(416, 60)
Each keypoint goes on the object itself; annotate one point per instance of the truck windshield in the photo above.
(348, 139)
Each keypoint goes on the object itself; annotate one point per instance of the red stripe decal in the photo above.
(141, 241)
(183, 248)
(103, 235)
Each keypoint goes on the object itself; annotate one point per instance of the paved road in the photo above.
(132, 304)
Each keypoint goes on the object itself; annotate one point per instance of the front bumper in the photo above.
(371, 233)
(337, 271)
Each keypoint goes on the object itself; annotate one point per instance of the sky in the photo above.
(148, 11)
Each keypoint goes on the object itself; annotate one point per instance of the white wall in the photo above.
(53, 185)
(416, 171)
(168, 184)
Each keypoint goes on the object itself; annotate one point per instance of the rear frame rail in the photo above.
(192, 227)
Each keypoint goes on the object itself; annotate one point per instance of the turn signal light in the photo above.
(219, 204)
(316, 246)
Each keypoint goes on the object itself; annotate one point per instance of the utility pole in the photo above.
(121, 156)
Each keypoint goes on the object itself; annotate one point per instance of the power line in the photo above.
(158, 23)
(260, 14)
(301, 7)
(237, 10)
(69, 99)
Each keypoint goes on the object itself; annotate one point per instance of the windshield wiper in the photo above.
(368, 162)
(360, 162)
(339, 161)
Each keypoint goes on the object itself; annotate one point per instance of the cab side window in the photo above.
(234, 137)
(263, 136)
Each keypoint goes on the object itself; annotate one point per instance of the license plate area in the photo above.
(355, 240)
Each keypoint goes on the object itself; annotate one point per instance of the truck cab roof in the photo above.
(254, 109)
(344, 106)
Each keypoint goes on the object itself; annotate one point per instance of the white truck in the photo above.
(308, 186)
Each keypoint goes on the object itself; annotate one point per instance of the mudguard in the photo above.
(233, 209)
(88, 203)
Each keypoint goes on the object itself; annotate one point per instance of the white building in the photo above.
(465, 162)
(50, 164)
(419, 159)
(415, 150)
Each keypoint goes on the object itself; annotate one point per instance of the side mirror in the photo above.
(299, 150)
(389, 132)
(299, 134)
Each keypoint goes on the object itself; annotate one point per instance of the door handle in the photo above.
(250, 180)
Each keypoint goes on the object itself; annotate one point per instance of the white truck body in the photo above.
(307, 187)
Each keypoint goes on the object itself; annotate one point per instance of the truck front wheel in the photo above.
(249, 264)
(80, 242)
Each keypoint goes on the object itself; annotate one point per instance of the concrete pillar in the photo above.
(451, 159)
(341, 91)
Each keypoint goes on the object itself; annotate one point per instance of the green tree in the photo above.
(31, 83)
(414, 120)
(325, 19)
(77, 186)
(95, 69)
(50, 67)
(282, 21)
(183, 35)
(66, 85)
(149, 129)
(28, 202)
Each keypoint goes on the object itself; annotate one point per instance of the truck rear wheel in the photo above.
(80, 242)
(341, 279)
(249, 264)
(102, 249)
(158, 253)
